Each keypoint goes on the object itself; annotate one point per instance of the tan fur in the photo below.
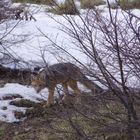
(66, 74)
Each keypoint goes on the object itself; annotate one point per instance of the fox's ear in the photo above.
(36, 69)
(34, 73)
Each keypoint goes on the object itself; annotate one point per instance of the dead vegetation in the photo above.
(9, 75)
(129, 4)
(91, 3)
(68, 8)
(126, 4)
(87, 119)
(47, 2)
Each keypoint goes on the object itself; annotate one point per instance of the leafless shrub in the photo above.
(112, 45)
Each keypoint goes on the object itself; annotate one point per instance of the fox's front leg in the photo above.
(50, 97)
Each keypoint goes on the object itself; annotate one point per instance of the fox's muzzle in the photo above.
(37, 89)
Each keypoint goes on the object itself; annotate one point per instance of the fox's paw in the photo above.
(48, 105)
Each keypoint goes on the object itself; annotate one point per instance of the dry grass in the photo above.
(68, 7)
(91, 3)
(47, 2)
(127, 4)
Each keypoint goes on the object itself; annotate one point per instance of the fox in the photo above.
(65, 74)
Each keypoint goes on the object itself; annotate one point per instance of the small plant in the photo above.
(114, 5)
(68, 7)
(2, 131)
(91, 3)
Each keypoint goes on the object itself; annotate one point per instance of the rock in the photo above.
(11, 96)
(4, 108)
(19, 114)
(23, 103)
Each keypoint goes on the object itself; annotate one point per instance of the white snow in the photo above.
(26, 93)
(17, 89)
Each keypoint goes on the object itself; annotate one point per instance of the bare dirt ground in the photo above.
(76, 118)
(55, 123)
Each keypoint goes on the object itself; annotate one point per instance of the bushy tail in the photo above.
(89, 84)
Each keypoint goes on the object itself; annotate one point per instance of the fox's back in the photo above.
(60, 72)
(64, 68)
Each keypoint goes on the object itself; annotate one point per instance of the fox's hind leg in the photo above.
(65, 88)
(73, 84)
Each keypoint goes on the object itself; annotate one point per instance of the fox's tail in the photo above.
(89, 84)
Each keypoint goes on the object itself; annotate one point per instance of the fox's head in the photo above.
(37, 82)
